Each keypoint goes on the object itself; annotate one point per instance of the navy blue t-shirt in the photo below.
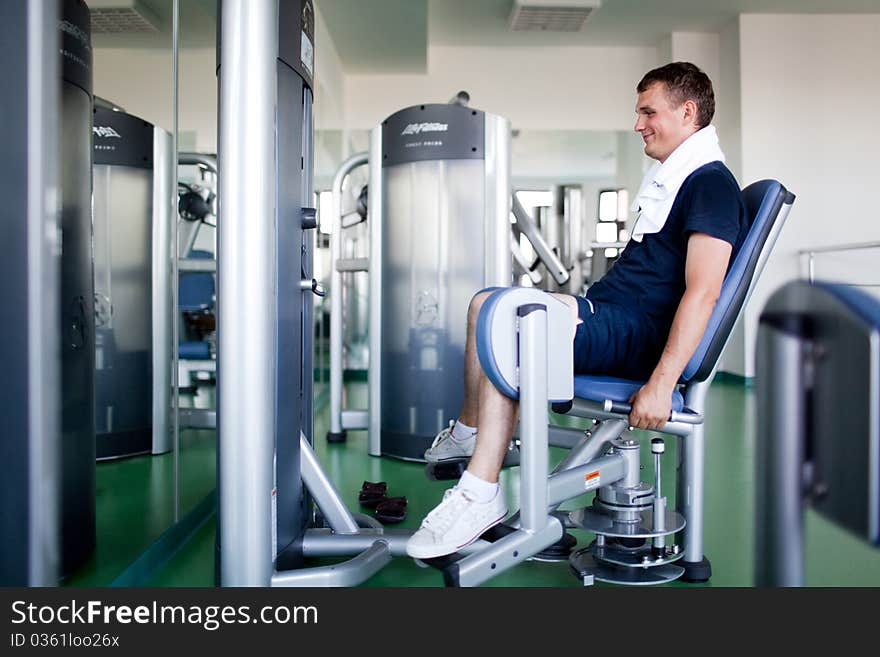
(648, 281)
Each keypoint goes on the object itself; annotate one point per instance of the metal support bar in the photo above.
(779, 513)
(690, 477)
(336, 291)
(548, 257)
(325, 543)
(375, 212)
(534, 417)
(246, 270)
(562, 486)
(324, 492)
(596, 410)
(349, 573)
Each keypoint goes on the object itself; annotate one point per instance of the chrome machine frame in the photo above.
(266, 521)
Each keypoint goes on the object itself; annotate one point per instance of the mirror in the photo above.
(147, 479)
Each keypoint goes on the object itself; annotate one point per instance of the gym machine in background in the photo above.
(132, 232)
(818, 441)
(439, 231)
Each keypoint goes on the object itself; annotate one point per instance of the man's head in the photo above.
(674, 102)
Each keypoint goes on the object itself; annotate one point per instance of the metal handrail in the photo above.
(811, 253)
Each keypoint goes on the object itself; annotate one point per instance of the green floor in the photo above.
(134, 508)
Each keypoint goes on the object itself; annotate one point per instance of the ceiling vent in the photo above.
(122, 17)
(551, 15)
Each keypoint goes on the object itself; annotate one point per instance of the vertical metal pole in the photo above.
(534, 416)
(163, 300)
(175, 275)
(44, 376)
(498, 265)
(690, 489)
(246, 302)
(375, 213)
(779, 514)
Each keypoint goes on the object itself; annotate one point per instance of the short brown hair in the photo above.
(684, 81)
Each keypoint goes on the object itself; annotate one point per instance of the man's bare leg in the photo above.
(494, 414)
(496, 420)
(473, 373)
(476, 503)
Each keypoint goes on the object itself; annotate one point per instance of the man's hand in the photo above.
(706, 263)
(651, 406)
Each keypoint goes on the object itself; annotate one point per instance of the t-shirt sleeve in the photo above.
(714, 209)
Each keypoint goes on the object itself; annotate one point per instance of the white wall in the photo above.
(809, 94)
(140, 81)
(536, 88)
(329, 79)
(728, 97)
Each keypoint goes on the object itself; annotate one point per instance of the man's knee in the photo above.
(572, 303)
(476, 303)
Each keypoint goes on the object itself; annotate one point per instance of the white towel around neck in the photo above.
(663, 180)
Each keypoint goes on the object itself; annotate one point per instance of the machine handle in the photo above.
(624, 408)
(309, 218)
(312, 285)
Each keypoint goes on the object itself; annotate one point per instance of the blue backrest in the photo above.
(764, 201)
(197, 287)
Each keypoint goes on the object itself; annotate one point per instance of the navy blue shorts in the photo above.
(613, 341)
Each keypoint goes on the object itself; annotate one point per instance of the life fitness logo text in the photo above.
(417, 128)
(105, 131)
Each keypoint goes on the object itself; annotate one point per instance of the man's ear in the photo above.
(690, 111)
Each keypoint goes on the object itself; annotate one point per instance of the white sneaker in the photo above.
(446, 448)
(457, 521)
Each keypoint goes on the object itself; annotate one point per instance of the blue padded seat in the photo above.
(600, 388)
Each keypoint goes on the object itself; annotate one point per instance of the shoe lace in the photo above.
(443, 435)
(449, 510)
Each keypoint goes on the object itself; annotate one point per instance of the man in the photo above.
(643, 320)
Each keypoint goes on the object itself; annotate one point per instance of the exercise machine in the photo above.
(133, 226)
(520, 341)
(818, 353)
(439, 229)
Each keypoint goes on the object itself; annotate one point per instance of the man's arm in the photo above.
(706, 264)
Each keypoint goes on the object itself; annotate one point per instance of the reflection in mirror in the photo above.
(196, 250)
(332, 147)
(134, 214)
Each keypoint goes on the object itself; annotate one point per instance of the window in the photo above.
(613, 209)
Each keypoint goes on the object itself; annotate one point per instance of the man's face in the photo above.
(662, 126)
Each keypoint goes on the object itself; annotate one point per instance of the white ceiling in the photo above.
(198, 27)
(392, 36)
(355, 23)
